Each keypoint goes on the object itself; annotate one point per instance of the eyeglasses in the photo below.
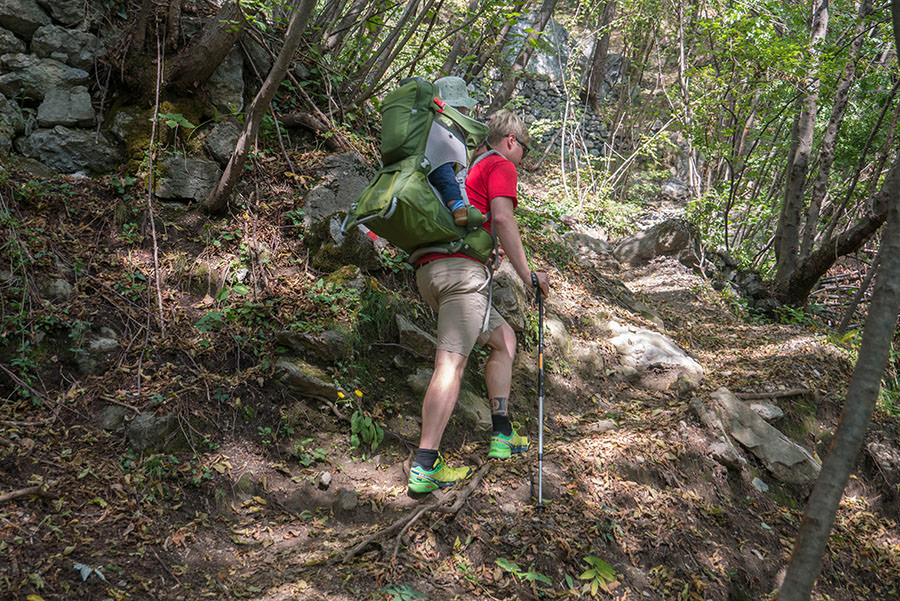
(525, 147)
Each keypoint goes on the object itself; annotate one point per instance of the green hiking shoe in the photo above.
(503, 446)
(440, 475)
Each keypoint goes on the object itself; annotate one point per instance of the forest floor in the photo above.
(269, 501)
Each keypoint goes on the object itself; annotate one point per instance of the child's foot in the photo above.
(461, 217)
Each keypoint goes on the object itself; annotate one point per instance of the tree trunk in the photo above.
(518, 66)
(797, 288)
(219, 197)
(191, 67)
(494, 49)
(860, 292)
(787, 234)
(335, 38)
(459, 42)
(809, 547)
(826, 146)
(363, 77)
(599, 55)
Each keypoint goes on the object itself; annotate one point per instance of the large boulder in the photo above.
(328, 345)
(22, 17)
(221, 141)
(182, 177)
(590, 251)
(67, 107)
(672, 238)
(31, 77)
(510, 296)
(68, 150)
(304, 378)
(75, 48)
(333, 249)
(226, 84)
(414, 338)
(345, 177)
(11, 123)
(68, 12)
(786, 460)
(655, 360)
(9, 43)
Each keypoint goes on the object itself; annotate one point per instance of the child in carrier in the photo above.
(452, 91)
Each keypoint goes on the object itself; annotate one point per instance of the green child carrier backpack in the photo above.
(420, 133)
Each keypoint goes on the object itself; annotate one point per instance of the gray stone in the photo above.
(10, 44)
(12, 123)
(675, 190)
(329, 345)
(325, 480)
(767, 411)
(112, 417)
(182, 177)
(557, 336)
(726, 454)
(658, 360)
(345, 177)
(304, 379)
(510, 296)
(760, 485)
(590, 251)
(419, 379)
(672, 238)
(59, 290)
(333, 249)
(22, 17)
(221, 140)
(98, 354)
(149, 432)
(68, 12)
(226, 84)
(31, 77)
(67, 107)
(472, 409)
(415, 339)
(259, 57)
(67, 151)
(126, 121)
(75, 48)
(786, 460)
(346, 502)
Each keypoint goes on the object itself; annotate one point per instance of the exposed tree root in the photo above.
(450, 504)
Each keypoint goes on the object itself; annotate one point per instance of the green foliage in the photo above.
(306, 455)
(364, 430)
(528, 576)
(598, 576)
(402, 592)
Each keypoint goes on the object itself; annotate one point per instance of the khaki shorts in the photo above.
(456, 288)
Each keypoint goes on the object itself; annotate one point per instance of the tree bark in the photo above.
(860, 292)
(599, 55)
(220, 195)
(787, 234)
(494, 49)
(518, 66)
(191, 67)
(798, 286)
(826, 146)
(363, 78)
(459, 42)
(335, 38)
(809, 547)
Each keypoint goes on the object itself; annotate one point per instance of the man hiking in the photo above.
(454, 286)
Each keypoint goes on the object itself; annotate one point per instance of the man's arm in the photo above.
(507, 230)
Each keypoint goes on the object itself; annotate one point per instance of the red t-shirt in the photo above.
(493, 176)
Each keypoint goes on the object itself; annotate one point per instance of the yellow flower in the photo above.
(340, 394)
(358, 393)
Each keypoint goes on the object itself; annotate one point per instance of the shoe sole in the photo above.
(505, 452)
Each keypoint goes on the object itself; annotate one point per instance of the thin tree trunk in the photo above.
(219, 197)
(787, 234)
(809, 547)
(599, 56)
(363, 77)
(688, 115)
(826, 146)
(494, 49)
(191, 67)
(335, 38)
(860, 292)
(518, 66)
(458, 43)
(173, 25)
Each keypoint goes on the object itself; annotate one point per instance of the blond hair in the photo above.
(506, 122)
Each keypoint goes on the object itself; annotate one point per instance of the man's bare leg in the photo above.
(440, 398)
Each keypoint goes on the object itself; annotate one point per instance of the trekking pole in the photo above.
(540, 302)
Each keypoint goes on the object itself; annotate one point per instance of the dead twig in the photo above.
(23, 492)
